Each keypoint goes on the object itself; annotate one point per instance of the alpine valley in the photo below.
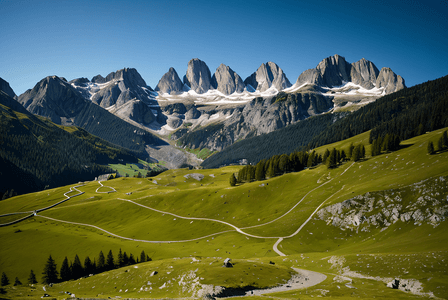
(212, 185)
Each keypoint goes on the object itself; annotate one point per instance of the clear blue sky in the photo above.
(84, 38)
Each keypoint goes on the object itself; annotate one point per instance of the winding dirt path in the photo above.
(237, 229)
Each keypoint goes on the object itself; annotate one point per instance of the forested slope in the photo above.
(406, 113)
(36, 153)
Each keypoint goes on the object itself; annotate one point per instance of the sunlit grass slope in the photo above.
(176, 206)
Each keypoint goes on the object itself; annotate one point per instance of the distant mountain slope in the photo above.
(58, 100)
(407, 113)
(35, 152)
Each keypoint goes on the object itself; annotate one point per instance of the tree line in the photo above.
(35, 153)
(406, 113)
(296, 161)
(442, 144)
(72, 270)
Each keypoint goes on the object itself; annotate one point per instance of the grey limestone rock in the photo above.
(268, 75)
(137, 111)
(198, 76)
(364, 73)
(192, 113)
(170, 83)
(4, 86)
(54, 98)
(390, 81)
(334, 71)
(98, 79)
(227, 81)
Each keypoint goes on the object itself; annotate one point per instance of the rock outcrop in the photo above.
(4, 86)
(198, 77)
(170, 83)
(54, 98)
(227, 81)
(268, 75)
(335, 71)
(390, 81)
(426, 203)
(364, 73)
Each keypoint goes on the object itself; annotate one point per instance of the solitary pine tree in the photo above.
(232, 183)
(110, 264)
(120, 261)
(132, 259)
(50, 274)
(259, 170)
(143, 254)
(101, 262)
(32, 278)
(332, 159)
(430, 148)
(17, 282)
(125, 259)
(77, 269)
(5, 280)
(65, 271)
(89, 268)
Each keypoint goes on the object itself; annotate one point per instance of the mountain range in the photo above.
(203, 110)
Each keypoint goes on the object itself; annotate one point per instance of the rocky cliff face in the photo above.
(335, 71)
(268, 75)
(390, 81)
(170, 83)
(216, 129)
(227, 81)
(4, 86)
(54, 98)
(364, 73)
(421, 203)
(124, 93)
(198, 76)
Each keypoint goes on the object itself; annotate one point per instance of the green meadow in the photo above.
(188, 227)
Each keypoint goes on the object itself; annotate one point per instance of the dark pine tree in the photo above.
(89, 268)
(5, 280)
(232, 180)
(110, 264)
(430, 148)
(125, 259)
(17, 282)
(32, 278)
(143, 254)
(77, 269)
(120, 260)
(50, 274)
(101, 266)
(132, 259)
(65, 271)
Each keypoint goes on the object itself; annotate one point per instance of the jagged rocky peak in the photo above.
(54, 98)
(334, 70)
(128, 75)
(267, 75)
(227, 81)
(390, 81)
(4, 86)
(198, 77)
(170, 83)
(98, 79)
(364, 73)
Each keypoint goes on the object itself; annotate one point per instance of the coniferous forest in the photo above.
(399, 116)
(36, 154)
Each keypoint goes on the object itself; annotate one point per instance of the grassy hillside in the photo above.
(189, 221)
